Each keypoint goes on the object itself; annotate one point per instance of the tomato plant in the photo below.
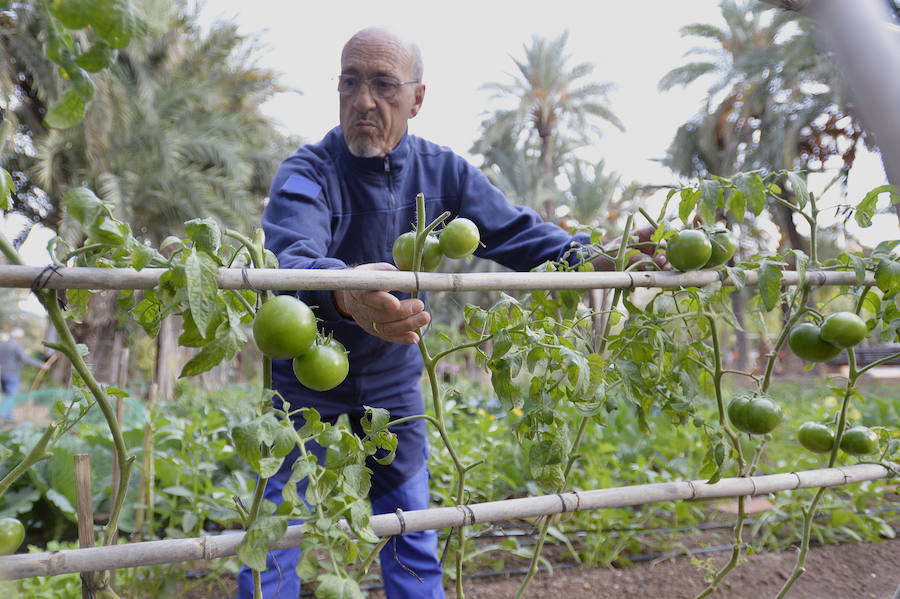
(322, 367)
(816, 437)
(859, 440)
(843, 329)
(404, 251)
(805, 340)
(284, 327)
(690, 249)
(459, 238)
(12, 533)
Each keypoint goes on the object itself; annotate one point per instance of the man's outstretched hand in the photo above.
(381, 314)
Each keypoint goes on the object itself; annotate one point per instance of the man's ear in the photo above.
(417, 100)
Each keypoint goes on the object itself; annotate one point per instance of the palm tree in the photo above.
(776, 101)
(555, 111)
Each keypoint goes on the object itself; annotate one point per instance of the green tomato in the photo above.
(806, 342)
(762, 415)
(284, 327)
(724, 245)
(323, 367)
(459, 238)
(12, 533)
(736, 412)
(859, 440)
(690, 249)
(816, 437)
(844, 329)
(404, 252)
(756, 415)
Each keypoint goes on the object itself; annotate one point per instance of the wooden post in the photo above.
(85, 510)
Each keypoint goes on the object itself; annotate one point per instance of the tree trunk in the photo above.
(99, 332)
(166, 357)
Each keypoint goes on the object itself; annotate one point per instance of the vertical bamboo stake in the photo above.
(85, 511)
(120, 410)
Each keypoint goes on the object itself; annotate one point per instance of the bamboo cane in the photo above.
(321, 279)
(212, 547)
(84, 508)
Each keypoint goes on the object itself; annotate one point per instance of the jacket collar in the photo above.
(395, 160)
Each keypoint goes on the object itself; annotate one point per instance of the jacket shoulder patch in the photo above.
(300, 185)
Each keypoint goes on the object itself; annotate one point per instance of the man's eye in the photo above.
(384, 85)
(349, 82)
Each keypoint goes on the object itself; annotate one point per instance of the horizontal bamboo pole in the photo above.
(320, 279)
(211, 547)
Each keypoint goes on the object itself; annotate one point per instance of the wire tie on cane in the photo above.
(245, 270)
(40, 281)
(402, 520)
(416, 275)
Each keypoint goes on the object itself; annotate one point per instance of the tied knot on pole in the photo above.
(40, 282)
(245, 276)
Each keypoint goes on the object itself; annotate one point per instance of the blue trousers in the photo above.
(402, 484)
(10, 385)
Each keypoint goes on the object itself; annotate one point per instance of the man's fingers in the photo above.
(402, 330)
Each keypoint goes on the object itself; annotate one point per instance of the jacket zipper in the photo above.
(393, 224)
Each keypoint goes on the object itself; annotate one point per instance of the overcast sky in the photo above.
(466, 44)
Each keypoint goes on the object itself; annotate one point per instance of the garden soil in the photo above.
(847, 571)
(852, 571)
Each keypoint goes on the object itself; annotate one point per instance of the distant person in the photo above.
(12, 356)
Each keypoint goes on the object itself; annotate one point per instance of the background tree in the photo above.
(776, 101)
(173, 132)
(557, 108)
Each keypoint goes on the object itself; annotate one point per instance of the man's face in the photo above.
(373, 125)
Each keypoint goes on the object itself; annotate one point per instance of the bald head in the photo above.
(391, 42)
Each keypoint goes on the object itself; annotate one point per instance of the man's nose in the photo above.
(363, 98)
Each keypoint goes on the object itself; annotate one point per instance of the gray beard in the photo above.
(362, 149)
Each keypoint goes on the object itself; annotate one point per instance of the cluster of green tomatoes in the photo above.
(284, 328)
(458, 239)
(692, 249)
(820, 343)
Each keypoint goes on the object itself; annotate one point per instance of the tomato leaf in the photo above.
(332, 586)
(769, 285)
(358, 517)
(798, 187)
(202, 289)
(865, 210)
(82, 204)
(226, 344)
(253, 549)
(711, 194)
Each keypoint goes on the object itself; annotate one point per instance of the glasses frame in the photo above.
(368, 83)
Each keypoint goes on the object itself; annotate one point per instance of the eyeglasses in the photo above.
(382, 86)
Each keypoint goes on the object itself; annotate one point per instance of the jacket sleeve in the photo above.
(514, 236)
(297, 224)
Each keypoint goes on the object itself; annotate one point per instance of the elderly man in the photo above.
(340, 203)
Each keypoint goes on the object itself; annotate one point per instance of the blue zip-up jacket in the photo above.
(330, 209)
